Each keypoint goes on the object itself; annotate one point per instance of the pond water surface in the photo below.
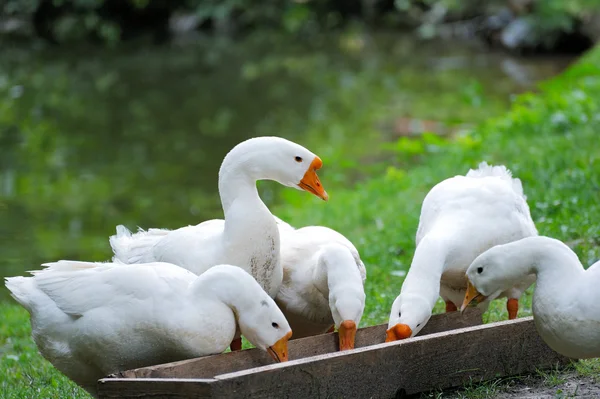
(92, 138)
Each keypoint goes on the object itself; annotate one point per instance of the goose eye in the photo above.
(418, 325)
(275, 325)
(399, 314)
(298, 159)
(479, 270)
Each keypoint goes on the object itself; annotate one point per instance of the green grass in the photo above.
(589, 368)
(553, 376)
(475, 390)
(549, 140)
(24, 374)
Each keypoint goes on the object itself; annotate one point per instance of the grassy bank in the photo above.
(549, 140)
(24, 374)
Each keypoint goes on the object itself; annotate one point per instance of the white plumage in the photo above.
(566, 299)
(323, 281)
(93, 319)
(248, 236)
(461, 217)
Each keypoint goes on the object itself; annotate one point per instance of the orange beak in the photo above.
(279, 350)
(472, 297)
(311, 183)
(347, 332)
(397, 332)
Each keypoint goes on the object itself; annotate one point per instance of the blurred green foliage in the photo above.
(99, 138)
(110, 20)
(92, 139)
(547, 140)
(24, 374)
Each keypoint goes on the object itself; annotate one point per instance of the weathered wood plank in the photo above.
(436, 361)
(209, 366)
(155, 388)
(388, 370)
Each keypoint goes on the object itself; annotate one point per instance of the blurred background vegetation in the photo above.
(121, 111)
(94, 137)
(519, 25)
(100, 124)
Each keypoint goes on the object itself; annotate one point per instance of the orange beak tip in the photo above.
(398, 332)
(347, 334)
(472, 297)
(279, 350)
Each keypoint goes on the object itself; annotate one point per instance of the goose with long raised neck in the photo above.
(566, 299)
(248, 236)
(323, 282)
(94, 319)
(461, 217)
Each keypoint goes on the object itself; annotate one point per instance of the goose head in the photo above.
(295, 166)
(265, 326)
(345, 275)
(256, 314)
(408, 316)
(489, 275)
(278, 159)
(348, 325)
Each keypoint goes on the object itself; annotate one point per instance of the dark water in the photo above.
(93, 138)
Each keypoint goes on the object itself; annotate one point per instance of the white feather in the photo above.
(323, 282)
(248, 236)
(566, 297)
(461, 217)
(94, 319)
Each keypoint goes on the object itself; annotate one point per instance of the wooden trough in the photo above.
(451, 350)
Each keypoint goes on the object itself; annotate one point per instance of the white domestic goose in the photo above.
(461, 217)
(323, 282)
(566, 299)
(248, 236)
(93, 319)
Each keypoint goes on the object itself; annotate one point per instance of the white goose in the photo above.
(566, 299)
(323, 282)
(93, 319)
(461, 217)
(248, 237)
